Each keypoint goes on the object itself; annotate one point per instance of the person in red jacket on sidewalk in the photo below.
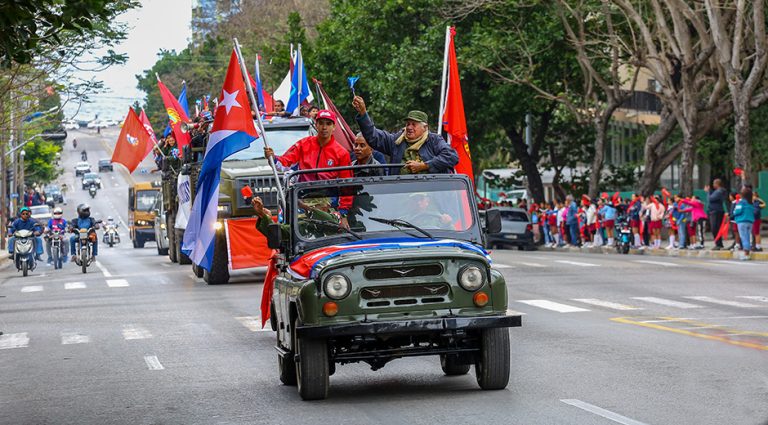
(320, 151)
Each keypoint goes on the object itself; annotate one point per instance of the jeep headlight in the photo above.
(337, 286)
(471, 278)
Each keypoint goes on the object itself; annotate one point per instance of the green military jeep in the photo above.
(407, 277)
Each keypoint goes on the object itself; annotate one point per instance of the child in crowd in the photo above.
(591, 223)
(758, 205)
(608, 215)
(697, 221)
(634, 217)
(733, 199)
(560, 222)
(535, 219)
(656, 212)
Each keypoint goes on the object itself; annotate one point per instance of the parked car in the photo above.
(91, 178)
(81, 168)
(53, 192)
(105, 165)
(41, 213)
(516, 230)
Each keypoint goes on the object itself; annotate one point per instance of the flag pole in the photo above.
(252, 98)
(299, 81)
(444, 82)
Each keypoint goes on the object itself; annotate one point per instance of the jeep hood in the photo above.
(310, 264)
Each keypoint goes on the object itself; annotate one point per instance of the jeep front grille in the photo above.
(262, 186)
(375, 293)
(410, 271)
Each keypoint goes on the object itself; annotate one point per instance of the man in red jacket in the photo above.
(320, 151)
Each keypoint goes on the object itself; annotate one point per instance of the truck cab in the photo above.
(142, 200)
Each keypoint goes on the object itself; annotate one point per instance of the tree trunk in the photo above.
(530, 167)
(652, 153)
(742, 148)
(687, 161)
(599, 158)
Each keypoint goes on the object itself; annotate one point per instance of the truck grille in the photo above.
(384, 296)
(262, 186)
(401, 272)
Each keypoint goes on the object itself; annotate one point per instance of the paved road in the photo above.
(605, 340)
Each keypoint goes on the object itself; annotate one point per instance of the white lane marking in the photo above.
(606, 304)
(117, 283)
(532, 264)
(35, 288)
(722, 302)
(599, 411)
(253, 323)
(737, 263)
(551, 305)
(668, 303)
(74, 285)
(74, 338)
(577, 263)
(153, 363)
(502, 266)
(165, 264)
(19, 340)
(103, 269)
(135, 332)
(657, 263)
(760, 298)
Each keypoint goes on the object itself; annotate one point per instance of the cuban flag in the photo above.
(232, 131)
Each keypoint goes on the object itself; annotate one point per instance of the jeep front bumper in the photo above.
(412, 326)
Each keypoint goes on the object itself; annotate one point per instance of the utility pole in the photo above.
(3, 182)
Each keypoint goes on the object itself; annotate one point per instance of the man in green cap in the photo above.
(414, 146)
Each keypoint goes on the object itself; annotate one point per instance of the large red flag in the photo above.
(176, 115)
(131, 146)
(454, 120)
(148, 126)
(343, 132)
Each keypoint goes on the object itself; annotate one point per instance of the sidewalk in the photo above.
(695, 253)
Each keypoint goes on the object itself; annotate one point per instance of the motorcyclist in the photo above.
(84, 155)
(83, 221)
(74, 143)
(26, 222)
(56, 223)
(110, 224)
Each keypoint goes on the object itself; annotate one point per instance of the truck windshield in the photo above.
(437, 207)
(145, 199)
(279, 140)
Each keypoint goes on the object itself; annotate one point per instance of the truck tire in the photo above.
(138, 242)
(312, 375)
(219, 273)
(451, 367)
(492, 364)
(162, 251)
(286, 366)
(197, 270)
(182, 257)
(170, 221)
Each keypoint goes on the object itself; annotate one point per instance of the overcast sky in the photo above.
(157, 24)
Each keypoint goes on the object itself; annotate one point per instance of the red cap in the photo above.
(326, 115)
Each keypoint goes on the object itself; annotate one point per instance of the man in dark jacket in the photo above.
(415, 147)
(716, 200)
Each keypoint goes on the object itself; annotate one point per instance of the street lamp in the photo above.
(22, 153)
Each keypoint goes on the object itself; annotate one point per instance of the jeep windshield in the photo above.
(279, 139)
(388, 208)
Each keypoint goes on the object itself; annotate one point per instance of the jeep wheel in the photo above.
(312, 367)
(219, 273)
(197, 270)
(492, 364)
(286, 366)
(451, 367)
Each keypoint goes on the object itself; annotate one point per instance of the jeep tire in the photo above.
(286, 366)
(312, 375)
(492, 363)
(451, 366)
(219, 273)
(197, 270)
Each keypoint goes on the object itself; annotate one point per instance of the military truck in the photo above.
(245, 168)
(406, 275)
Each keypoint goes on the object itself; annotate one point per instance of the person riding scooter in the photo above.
(84, 155)
(56, 223)
(110, 224)
(83, 221)
(26, 222)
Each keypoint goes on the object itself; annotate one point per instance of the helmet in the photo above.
(83, 210)
(57, 212)
(22, 209)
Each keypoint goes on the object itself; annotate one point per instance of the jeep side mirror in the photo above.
(274, 239)
(492, 221)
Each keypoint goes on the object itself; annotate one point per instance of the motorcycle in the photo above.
(83, 156)
(624, 240)
(24, 251)
(84, 246)
(111, 237)
(56, 237)
(92, 190)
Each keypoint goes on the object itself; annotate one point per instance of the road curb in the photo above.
(699, 253)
